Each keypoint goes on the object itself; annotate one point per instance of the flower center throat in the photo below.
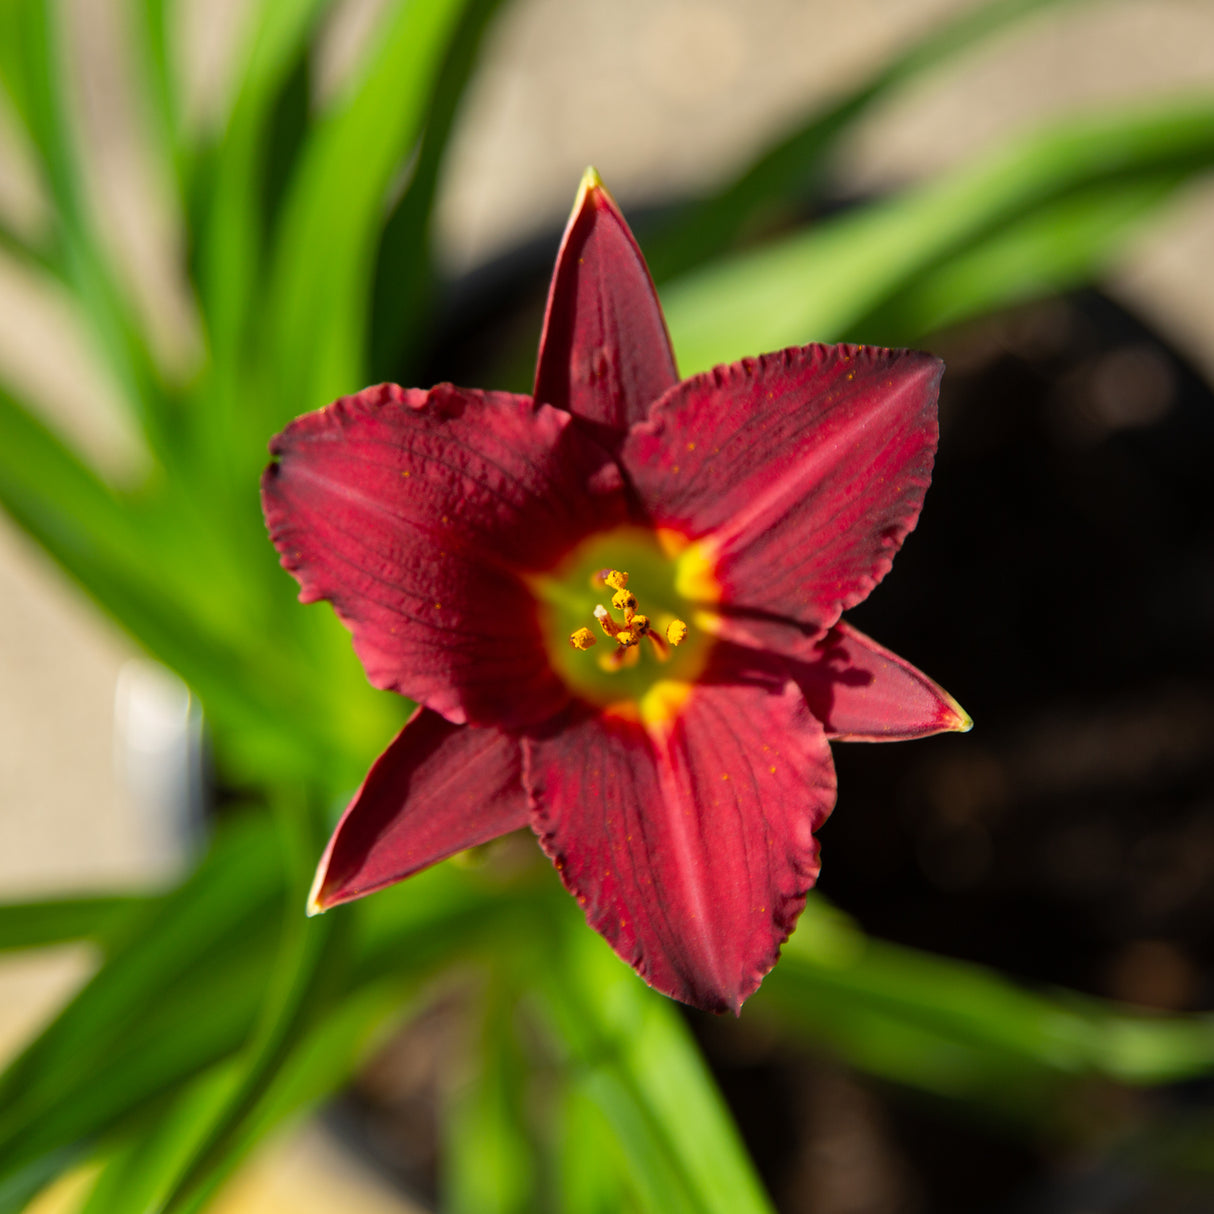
(627, 595)
(636, 630)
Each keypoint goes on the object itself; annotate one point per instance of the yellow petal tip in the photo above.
(314, 906)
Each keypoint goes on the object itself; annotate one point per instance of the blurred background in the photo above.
(1060, 583)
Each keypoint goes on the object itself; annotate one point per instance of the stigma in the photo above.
(632, 631)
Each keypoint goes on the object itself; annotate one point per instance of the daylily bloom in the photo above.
(617, 606)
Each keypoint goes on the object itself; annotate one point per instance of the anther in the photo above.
(676, 632)
(583, 638)
(617, 579)
(625, 601)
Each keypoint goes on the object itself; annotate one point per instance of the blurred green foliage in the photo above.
(218, 1010)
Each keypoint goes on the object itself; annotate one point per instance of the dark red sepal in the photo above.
(604, 354)
(437, 790)
(862, 692)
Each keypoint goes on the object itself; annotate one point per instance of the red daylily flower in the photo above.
(617, 604)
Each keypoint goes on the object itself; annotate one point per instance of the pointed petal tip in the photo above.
(592, 192)
(954, 718)
(316, 905)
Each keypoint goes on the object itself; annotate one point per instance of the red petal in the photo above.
(604, 353)
(802, 470)
(438, 789)
(861, 692)
(413, 512)
(690, 846)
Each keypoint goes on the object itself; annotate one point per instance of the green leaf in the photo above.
(631, 1054)
(140, 1168)
(306, 971)
(147, 567)
(37, 924)
(135, 1029)
(490, 1163)
(37, 69)
(404, 272)
(156, 1150)
(227, 216)
(817, 285)
(590, 1164)
(320, 276)
(1057, 247)
(157, 74)
(962, 1031)
(792, 172)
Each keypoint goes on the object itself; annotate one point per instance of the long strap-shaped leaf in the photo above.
(402, 311)
(320, 276)
(139, 1018)
(1058, 246)
(791, 173)
(100, 919)
(960, 1030)
(817, 285)
(631, 1054)
(37, 68)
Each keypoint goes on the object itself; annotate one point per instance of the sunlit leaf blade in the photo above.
(140, 1167)
(1059, 246)
(338, 992)
(135, 1030)
(323, 258)
(99, 919)
(633, 1057)
(228, 220)
(156, 1150)
(156, 72)
(401, 314)
(307, 966)
(962, 1031)
(791, 172)
(589, 1167)
(490, 1161)
(40, 67)
(817, 285)
(148, 569)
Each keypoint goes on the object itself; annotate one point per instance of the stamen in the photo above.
(608, 625)
(628, 635)
(625, 601)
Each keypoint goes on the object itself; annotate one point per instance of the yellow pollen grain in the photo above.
(617, 579)
(676, 632)
(583, 638)
(624, 600)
